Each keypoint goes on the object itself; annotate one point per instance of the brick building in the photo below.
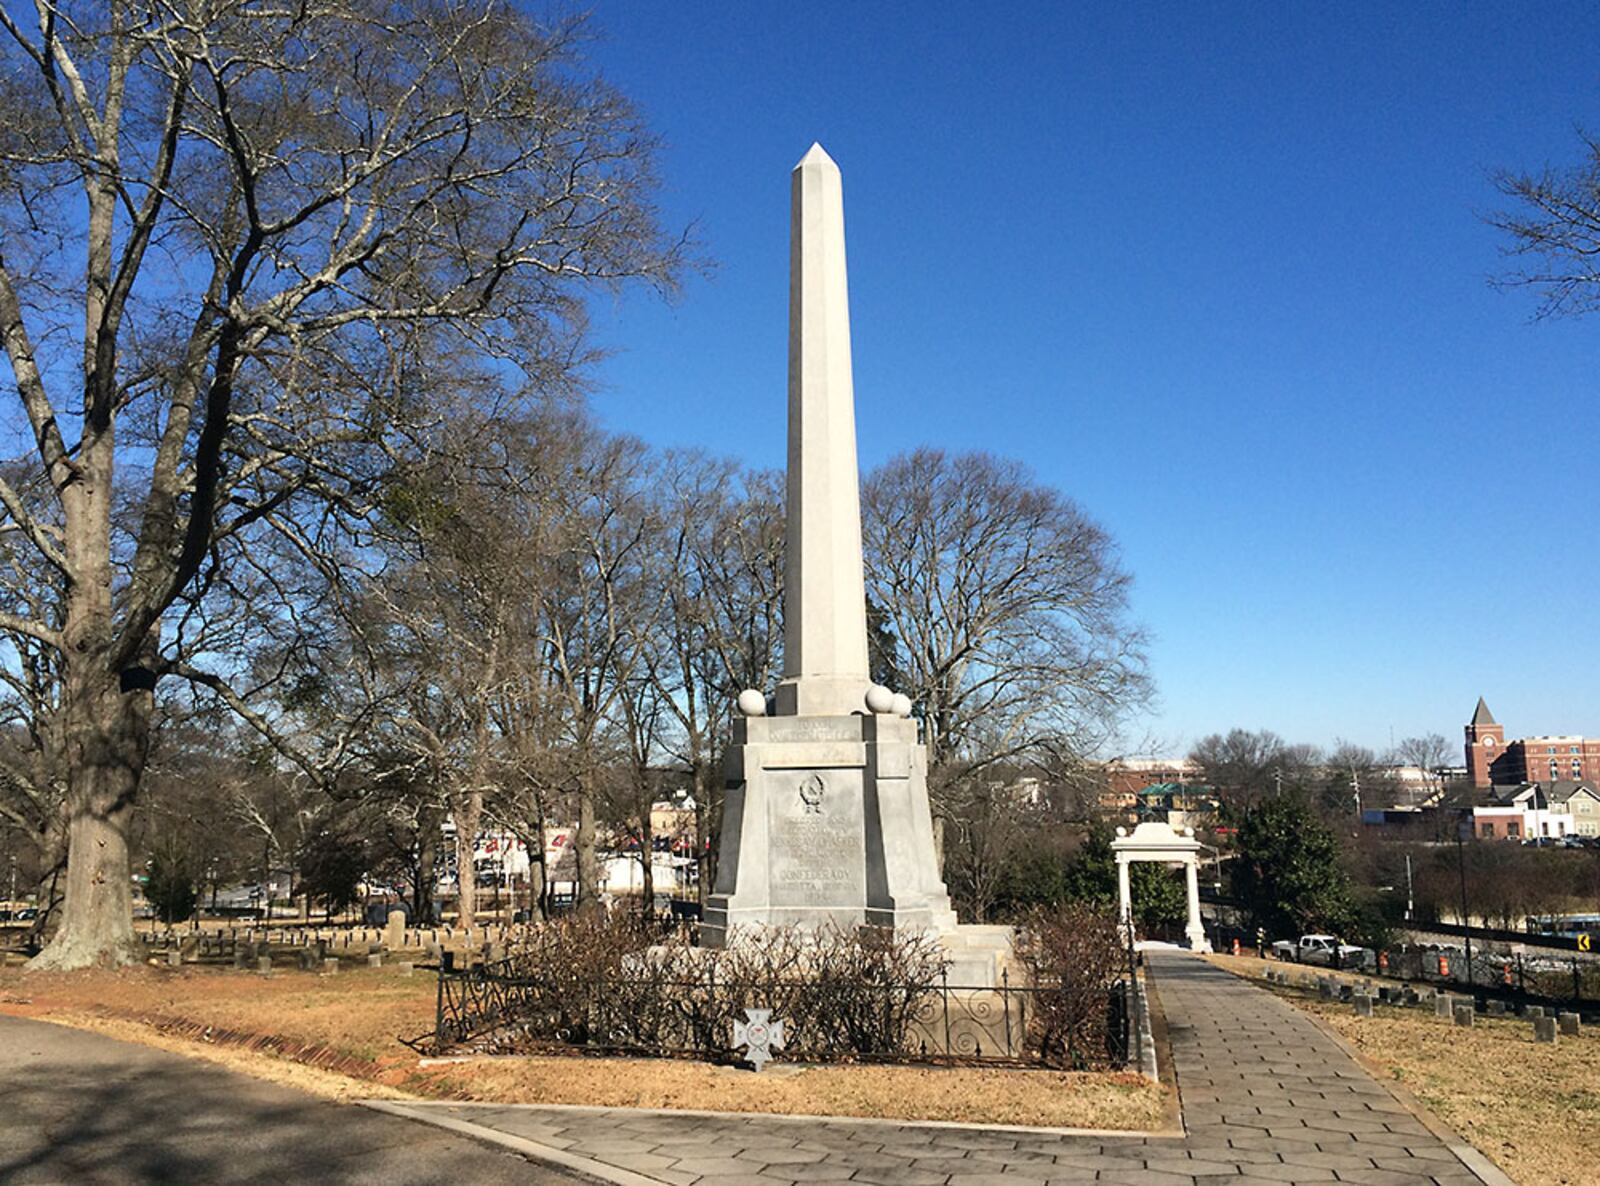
(1494, 761)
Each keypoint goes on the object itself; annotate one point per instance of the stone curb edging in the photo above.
(798, 1118)
(1144, 1045)
(1167, 1066)
(597, 1170)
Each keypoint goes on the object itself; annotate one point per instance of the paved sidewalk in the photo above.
(1266, 1096)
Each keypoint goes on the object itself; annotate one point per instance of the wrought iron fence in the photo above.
(500, 1008)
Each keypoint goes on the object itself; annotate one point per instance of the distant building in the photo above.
(1179, 805)
(1126, 777)
(1522, 812)
(1493, 761)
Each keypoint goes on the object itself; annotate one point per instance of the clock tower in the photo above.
(1486, 741)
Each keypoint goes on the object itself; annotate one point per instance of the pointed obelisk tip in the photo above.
(816, 155)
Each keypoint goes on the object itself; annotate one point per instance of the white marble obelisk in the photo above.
(826, 818)
(824, 609)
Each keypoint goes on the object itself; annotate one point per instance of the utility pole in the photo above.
(1466, 919)
(1410, 901)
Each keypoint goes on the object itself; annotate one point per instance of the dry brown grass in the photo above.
(965, 1094)
(354, 1020)
(1529, 1107)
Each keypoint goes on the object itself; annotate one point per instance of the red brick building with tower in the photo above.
(1493, 761)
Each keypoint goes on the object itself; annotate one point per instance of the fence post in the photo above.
(1005, 1003)
(438, 1014)
(944, 981)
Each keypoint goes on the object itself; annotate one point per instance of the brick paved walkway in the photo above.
(1266, 1096)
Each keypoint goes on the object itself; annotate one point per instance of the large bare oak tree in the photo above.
(229, 229)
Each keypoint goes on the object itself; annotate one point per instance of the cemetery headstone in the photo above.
(1570, 1024)
(1544, 1029)
(1464, 1016)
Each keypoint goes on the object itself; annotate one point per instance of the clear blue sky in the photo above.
(1217, 272)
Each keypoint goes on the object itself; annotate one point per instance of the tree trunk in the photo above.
(109, 732)
(647, 847)
(468, 811)
(705, 851)
(585, 840)
(427, 850)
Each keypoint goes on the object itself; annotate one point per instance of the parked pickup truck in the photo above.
(1320, 949)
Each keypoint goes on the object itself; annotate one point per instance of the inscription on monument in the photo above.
(819, 856)
(813, 729)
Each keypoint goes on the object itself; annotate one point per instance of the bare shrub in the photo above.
(610, 982)
(1076, 960)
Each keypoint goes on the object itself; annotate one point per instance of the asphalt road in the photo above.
(77, 1107)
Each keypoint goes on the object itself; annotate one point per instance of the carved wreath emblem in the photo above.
(811, 794)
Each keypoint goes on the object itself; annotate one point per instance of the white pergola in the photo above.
(1158, 842)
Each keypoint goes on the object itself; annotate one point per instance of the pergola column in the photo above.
(1196, 932)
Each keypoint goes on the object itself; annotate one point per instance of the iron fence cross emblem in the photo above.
(760, 1035)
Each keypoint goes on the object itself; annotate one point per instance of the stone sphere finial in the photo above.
(880, 699)
(1122, 831)
(902, 704)
(752, 703)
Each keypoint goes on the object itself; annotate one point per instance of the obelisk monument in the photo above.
(824, 606)
(826, 817)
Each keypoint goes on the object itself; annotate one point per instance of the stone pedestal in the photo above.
(827, 821)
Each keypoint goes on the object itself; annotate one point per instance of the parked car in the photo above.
(1320, 949)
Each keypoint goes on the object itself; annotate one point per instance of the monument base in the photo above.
(827, 822)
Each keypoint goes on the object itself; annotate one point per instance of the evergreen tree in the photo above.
(170, 886)
(1288, 874)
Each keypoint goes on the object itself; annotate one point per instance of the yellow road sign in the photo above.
(1583, 943)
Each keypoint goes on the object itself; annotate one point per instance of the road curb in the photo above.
(1136, 1134)
(548, 1154)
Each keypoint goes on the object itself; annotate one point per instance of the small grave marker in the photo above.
(760, 1035)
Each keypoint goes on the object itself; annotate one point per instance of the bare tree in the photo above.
(274, 203)
(723, 620)
(1555, 228)
(1244, 766)
(599, 611)
(1008, 605)
(1429, 753)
